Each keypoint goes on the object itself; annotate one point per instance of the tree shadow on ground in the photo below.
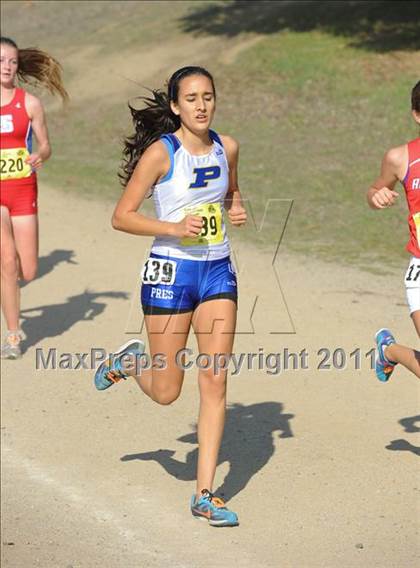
(409, 425)
(373, 25)
(53, 320)
(247, 446)
(46, 264)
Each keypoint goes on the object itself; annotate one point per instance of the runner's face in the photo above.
(8, 64)
(416, 116)
(196, 103)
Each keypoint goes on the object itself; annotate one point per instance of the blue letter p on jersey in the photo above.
(204, 175)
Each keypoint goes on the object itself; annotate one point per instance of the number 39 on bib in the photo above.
(211, 233)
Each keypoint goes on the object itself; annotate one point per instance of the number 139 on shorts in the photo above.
(159, 271)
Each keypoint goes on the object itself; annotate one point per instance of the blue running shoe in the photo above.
(111, 370)
(383, 367)
(213, 509)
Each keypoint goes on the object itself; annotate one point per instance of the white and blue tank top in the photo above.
(195, 185)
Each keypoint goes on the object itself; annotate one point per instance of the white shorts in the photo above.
(412, 284)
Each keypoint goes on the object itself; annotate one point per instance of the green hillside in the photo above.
(314, 92)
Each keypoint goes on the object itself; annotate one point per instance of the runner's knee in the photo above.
(165, 396)
(9, 266)
(213, 384)
(28, 272)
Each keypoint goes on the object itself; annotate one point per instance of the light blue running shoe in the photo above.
(111, 370)
(213, 509)
(383, 367)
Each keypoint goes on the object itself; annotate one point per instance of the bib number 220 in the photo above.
(13, 165)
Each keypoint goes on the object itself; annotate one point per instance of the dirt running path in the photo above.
(319, 464)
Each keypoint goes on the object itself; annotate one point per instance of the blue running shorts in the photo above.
(173, 285)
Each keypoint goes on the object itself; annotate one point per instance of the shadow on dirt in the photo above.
(411, 425)
(52, 320)
(247, 446)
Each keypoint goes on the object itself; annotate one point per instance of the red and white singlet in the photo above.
(411, 185)
(18, 180)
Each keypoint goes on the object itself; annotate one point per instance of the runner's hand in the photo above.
(237, 215)
(384, 197)
(34, 160)
(190, 226)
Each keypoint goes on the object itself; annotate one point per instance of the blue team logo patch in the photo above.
(204, 175)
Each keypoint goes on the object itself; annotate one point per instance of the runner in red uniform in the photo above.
(411, 184)
(402, 164)
(19, 184)
(21, 114)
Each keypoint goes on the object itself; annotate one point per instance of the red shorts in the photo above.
(20, 199)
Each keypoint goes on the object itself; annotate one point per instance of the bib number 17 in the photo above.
(413, 273)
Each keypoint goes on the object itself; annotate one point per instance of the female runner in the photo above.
(21, 113)
(188, 279)
(402, 164)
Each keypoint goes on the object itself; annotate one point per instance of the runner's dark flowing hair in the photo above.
(154, 120)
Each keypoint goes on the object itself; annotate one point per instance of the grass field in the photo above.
(314, 106)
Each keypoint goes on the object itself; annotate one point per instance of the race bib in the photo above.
(159, 271)
(416, 218)
(211, 233)
(12, 164)
(412, 276)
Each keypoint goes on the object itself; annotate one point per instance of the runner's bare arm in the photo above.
(381, 193)
(233, 202)
(36, 113)
(152, 166)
